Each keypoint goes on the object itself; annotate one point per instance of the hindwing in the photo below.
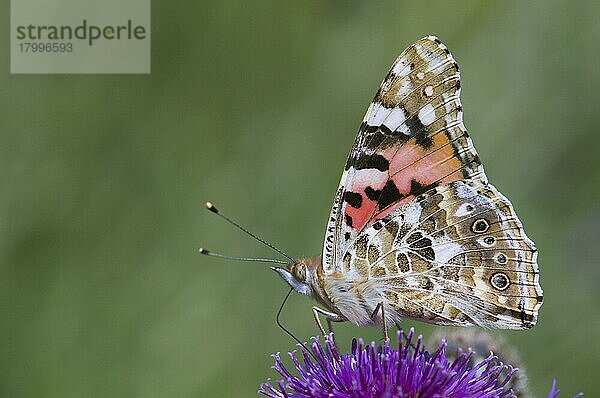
(456, 255)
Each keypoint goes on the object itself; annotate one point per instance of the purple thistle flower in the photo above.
(382, 371)
(555, 391)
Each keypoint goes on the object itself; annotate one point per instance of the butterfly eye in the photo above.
(489, 240)
(499, 280)
(480, 226)
(300, 272)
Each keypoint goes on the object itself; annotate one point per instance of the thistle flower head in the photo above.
(481, 343)
(371, 371)
(383, 371)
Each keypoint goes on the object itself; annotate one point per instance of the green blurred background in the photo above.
(254, 105)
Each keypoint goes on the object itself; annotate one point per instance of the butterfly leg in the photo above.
(378, 308)
(329, 325)
(330, 316)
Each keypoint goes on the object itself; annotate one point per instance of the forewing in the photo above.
(457, 255)
(411, 139)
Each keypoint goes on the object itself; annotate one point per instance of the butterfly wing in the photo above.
(456, 255)
(411, 139)
(415, 223)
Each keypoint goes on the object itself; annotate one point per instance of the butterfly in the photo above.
(416, 231)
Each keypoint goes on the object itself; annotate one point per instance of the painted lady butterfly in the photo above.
(416, 231)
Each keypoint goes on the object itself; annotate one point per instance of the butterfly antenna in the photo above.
(212, 208)
(257, 260)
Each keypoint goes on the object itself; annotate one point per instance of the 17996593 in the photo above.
(46, 47)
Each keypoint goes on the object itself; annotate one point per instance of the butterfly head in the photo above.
(300, 274)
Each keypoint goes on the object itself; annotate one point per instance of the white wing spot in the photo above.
(427, 115)
(412, 214)
(464, 210)
(401, 69)
(395, 119)
(465, 191)
(405, 88)
(420, 75)
(377, 113)
(445, 249)
(429, 91)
